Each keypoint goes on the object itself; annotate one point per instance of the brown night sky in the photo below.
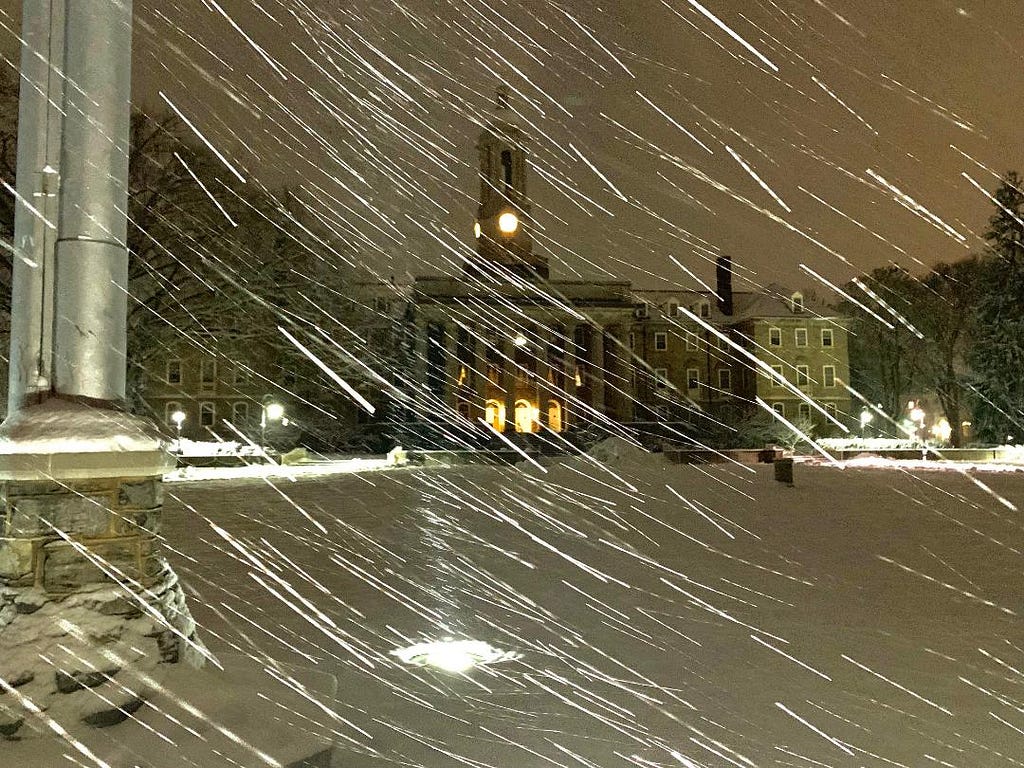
(642, 114)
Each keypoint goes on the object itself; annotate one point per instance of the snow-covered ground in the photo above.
(644, 614)
(635, 613)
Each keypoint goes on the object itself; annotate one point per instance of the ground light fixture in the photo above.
(456, 656)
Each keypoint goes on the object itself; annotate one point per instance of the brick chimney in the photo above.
(723, 272)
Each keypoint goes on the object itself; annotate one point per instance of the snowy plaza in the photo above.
(649, 614)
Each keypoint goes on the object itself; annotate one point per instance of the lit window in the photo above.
(240, 413)
(775, 337)
(174, 371)
(826, 337)
(797, 302)
(661, 341)
(779, 408)
(207, 374)
(828, 375)
(803, 376)
(724, 378)
(779, 376)
(661, 378)
(692, 378)
(804, 410)
(207, 414)
(801, 337)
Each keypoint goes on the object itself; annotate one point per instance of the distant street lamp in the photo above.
(917, 416)
(178, 417)
(865, 417)
(271, 412)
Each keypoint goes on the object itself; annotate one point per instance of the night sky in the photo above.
(868, 122)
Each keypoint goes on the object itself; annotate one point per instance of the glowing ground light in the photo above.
(453, 655)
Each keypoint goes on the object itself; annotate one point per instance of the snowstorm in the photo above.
(436, 383)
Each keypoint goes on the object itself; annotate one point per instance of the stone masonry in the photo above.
(89, 611)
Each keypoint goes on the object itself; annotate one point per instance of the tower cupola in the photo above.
(503, 222)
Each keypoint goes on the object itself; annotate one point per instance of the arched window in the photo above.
(554, 416)
(494, 414)
(240, 413)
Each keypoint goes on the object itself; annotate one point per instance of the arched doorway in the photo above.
(554, 416)
(494, 414)
(526, 416)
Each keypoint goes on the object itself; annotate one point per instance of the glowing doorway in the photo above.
(526, 416)
(494, 414)
(554, 416)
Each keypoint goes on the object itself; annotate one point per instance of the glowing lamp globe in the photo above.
(508, 223)
(476, 229)
(275, 411)
(178, 417)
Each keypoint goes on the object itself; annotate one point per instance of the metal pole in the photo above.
(35, 216)
(90, 318)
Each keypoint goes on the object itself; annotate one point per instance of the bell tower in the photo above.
(503, 221)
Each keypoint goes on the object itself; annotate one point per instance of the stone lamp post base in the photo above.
(90, 613)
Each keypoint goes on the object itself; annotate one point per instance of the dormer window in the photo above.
(673, 308)
(796, 302)
(704, 309)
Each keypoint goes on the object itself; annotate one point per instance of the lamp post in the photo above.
(865, 418)
(178, 417)
(271, 412)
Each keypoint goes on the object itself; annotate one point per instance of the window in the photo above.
(632, 340)
(804, 410)
(240, 413)
(779, 408)
(803, 376)
(796, 302)
(722, 341)
(830, 409)
(826, 337)
(174, 371)
(463, 408)
(828, 375)
(169, 410)
(289, 378)
(207, 414)
(725, 378)
(779, 376)
(775, 337)
(207, 375)
(692, 378)
(673, 308)
(240, 374)
(691, 340)
(661, 377)
(801, 337)
(506, 166)
(661, 341)
(704, 309)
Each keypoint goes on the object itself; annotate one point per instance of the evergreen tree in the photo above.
(997, 352)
